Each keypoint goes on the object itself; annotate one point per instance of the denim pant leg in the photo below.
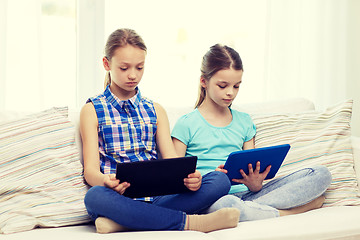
(249, 210)
(138, 215)
(214, 185)
(290, 191)
(293, 190)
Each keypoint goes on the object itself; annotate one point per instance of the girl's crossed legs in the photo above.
(165, 212)
(295, 193)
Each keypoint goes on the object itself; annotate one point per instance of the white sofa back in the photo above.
(294, 105)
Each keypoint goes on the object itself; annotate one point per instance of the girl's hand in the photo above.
(193, 181)
(113, 183)
(255, 179)
(220, 168)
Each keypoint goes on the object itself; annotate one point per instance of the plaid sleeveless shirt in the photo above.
(126, 129)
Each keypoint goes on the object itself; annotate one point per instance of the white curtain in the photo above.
(290, 48)
(19, 53)
(38, 55)
(3, 13)
(313, 52)
(307, 46)
(178, 33)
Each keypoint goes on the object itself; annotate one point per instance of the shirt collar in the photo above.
(133, 101)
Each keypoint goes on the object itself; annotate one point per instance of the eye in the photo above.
(140, 68)
(123, 68)
(222, 86)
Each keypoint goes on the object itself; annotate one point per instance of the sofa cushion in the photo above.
(41, 175)
(316, 138)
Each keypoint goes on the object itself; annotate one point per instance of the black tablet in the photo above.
(273, 156)
(156, 177)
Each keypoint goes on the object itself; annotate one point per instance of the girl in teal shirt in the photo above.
(213, 130)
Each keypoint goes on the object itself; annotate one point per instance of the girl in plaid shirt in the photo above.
(120, 125)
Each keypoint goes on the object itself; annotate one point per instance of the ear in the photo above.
(203, 82)
(106, 64)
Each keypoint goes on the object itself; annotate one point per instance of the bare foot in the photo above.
(314, 204)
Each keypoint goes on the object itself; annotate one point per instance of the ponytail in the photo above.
(201, 97)
(107, 79)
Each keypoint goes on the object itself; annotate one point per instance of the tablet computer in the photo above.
(156, 177)
(273, 156)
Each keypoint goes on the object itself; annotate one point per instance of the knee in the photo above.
(324, 175)
(220, 181)
(93, 196)
(92, 200)
(225, 202)
(229, 201)
(324, 172)
(221, 177)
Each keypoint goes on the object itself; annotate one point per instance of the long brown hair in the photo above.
(120, 38)
(219, 57)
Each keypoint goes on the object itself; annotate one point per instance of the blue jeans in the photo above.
(287, 192)
(164, 213)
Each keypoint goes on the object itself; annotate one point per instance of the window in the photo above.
(178, 34)
(51, 50)
(38, 54)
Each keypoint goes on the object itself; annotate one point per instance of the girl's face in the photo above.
(126, 68)
(222, 87)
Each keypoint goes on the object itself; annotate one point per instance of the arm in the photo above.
(249, 144)
(193, 182)
(180, 147)
(167, 149)
(163, 138)
(89, 136)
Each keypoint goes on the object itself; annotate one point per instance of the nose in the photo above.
(132, 75)
(230, 92)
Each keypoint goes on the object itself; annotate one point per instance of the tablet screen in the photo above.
(273, 156)
(156, 177)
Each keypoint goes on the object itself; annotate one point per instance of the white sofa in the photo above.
(336, 220)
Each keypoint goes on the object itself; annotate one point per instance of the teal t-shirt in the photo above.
(212, 145)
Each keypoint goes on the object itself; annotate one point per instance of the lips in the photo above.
(131, 83)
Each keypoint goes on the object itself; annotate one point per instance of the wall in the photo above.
(353, 67)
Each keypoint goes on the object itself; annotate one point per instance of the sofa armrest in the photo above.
(355, 141)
